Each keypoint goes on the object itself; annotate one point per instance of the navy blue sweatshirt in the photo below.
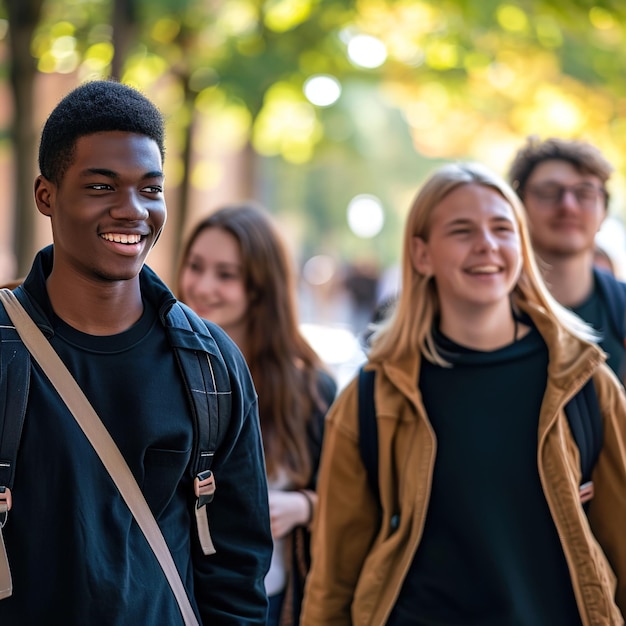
(76, 554)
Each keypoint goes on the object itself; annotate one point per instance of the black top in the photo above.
(76, 554)
(490, 553)
(595, 311)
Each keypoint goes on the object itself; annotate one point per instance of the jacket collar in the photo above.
(571, 360)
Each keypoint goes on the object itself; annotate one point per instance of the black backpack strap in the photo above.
(201, 389)
(14, 387)
(585, 422)
(622, 367)
(208, 386)
(613, 292)
(368, 429)
(582, 411)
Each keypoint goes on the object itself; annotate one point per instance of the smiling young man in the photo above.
(75, 552)
(563, 186)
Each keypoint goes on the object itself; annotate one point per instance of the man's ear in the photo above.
(420, 256)
(44, 193)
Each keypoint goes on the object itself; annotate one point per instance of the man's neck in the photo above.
(96, 309)
(569, 278)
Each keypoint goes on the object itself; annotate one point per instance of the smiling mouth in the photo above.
(121, 238)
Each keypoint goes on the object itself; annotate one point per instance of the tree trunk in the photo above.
(124, 22)
(182, 210)
(23, 18)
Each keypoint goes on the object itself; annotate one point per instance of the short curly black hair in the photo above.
(94, 107)
(585, 157)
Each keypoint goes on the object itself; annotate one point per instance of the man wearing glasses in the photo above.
(563, 186)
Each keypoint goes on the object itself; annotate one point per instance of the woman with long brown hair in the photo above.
(236, 272)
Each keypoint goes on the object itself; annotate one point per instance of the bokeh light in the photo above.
(319, 269)
(366, 216)
(322, 90)
(367, 51)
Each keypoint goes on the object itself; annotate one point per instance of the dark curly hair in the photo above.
(93, 107)
(585, 157)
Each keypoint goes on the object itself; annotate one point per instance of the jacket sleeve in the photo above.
(229, 585)
(607, 510)
(345, 522)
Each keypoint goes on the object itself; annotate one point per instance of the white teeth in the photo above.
(121, 238)
(484, 269)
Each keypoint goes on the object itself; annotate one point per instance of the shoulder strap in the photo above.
(585, 422)
(208, 386)
(614, 293)
(583, 415)
(14, 387)
(368, 429)
(102, 443)
(206, 379)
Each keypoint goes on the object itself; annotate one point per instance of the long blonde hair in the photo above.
(409, 327)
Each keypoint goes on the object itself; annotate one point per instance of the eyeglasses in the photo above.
(586, 195)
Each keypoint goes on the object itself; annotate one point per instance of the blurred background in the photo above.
(328, 112)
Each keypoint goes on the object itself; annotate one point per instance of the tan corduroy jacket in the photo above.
(358, 566)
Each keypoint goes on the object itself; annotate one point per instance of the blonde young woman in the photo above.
(480, 516)
(236, 272)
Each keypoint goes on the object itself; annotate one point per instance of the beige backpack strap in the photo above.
(102, 443)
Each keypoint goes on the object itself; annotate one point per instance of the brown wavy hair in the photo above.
(283, 365)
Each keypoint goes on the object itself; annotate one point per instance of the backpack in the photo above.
(582, 411)
(204, 373)
(613, 292)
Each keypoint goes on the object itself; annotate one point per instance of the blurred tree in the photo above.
(469, 79)
(124, 36)
(23, 16)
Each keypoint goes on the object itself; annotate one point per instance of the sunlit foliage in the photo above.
(466, 78)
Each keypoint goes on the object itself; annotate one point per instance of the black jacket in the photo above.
(76, 554)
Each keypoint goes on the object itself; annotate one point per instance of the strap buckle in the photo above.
(6, 502)
(586, 492)
(204, 487)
